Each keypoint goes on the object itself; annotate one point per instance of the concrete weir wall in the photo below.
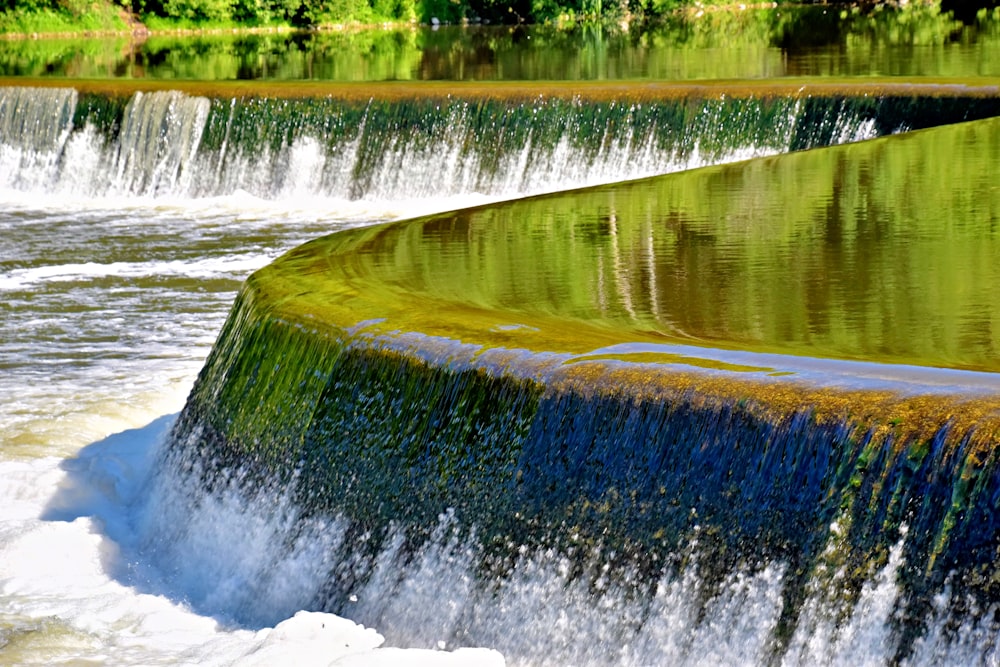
(525, 450)
(640, 460)
(645, 375)
(455, 364)
(397, 141)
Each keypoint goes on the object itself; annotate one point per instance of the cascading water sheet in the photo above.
(579, 403)
(171, 145)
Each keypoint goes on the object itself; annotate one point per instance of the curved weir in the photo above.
(760, 397)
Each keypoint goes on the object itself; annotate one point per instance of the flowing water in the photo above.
(389, 375)
(127, 225)
(115, 285)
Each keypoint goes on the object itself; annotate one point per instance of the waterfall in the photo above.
(34, 127)
(669, 522)
(157, 143)
(170, 144)
(483, 413)
(588, 428)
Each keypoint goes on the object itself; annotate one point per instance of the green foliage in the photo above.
(199, 12)
(225, 13)
(29, 6)
(335, 11)
(550, 10)
(394, 9)
(59, 16)
(863, 34)
(446, 11)
(328, 12)
(77, 15)
(266, 12)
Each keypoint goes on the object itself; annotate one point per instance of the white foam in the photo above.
(199, 268)
(75, 556)
(157, 156)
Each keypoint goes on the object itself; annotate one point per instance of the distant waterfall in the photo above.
(169, 144)
(35, 125)
(158, 143)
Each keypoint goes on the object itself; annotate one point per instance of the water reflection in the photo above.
(778, 42)
(884, 251)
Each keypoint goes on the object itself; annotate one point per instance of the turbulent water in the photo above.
(170, 144)
(110, 302)
(126, 229)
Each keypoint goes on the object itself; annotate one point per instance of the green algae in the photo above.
(535, 277)
(415, 366)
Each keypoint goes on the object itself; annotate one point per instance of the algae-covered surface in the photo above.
(737, 356)
(871, 252)
(799, 282)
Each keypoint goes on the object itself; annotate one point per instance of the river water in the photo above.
(111, 300)
(112, 295)
(110, 304)
(109, 310)
(116, 280)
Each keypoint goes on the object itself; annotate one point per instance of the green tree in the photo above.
(264, 12)
(199, 11)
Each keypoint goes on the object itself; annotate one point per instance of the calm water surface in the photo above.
(769, 43)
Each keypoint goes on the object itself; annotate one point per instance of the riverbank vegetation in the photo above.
(30, 17)
(34, 17)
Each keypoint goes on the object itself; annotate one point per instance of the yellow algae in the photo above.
(907, 417)
(734, 257)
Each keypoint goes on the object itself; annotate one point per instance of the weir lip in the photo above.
(626, 90)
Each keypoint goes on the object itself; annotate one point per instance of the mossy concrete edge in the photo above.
(624, 90)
